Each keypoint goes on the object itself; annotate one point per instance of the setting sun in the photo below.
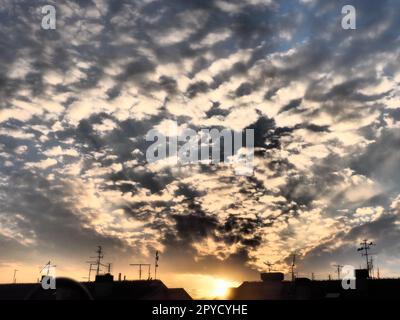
(220, 288)
(203, 286)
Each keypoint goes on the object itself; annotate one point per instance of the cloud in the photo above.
(76, 104)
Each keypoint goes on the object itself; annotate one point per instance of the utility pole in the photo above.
(156, 265)
(15, 276)
(338, 269)
(365, 247)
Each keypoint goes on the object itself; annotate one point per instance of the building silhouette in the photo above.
(273, 287)
(103, 288)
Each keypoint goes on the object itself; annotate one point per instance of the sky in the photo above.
(77, 102)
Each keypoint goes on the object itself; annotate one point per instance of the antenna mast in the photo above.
(47, 266)
(100, 256)
(269, 265)
(15, 276)
(156, 265)
(97, 263)
(365, 247)
(293, 264)
(140, 265)
(371, 265)
(338, 269)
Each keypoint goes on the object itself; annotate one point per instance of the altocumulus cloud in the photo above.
(77, 102)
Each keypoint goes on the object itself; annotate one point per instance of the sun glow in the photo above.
(220, 288)
(203, 286)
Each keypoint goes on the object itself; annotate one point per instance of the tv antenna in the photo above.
(293, 264)
(157, 257)
(269, 265)
(338, 269)
(15, 276)
(96, 265)
(47, 266)
(98, 258)
(91, 264)
(140, 265)
(365, 246)
(371, 265)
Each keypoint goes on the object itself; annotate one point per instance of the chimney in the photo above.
(272, 276)
(361, 274)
